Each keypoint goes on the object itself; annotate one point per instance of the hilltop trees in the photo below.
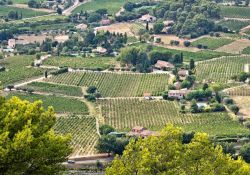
(28, 145)
(192, 18)
(167, 154)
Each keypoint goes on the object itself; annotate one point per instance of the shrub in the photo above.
(187, 43)
(91, 89)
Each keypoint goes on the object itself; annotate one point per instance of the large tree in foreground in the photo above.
(168, 155)
(28, 145)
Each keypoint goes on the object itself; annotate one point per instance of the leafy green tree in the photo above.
(166, 154)
(194, 107)
(158, 27)
(235, 109)
(94, 17)
(245, 152)
(91, 89)
(106, 129)
(28, 144)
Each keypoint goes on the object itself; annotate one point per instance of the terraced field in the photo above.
(83, 132)
(116, 84)
(221, 70)
(17, 69)
(123, 114)
(60, 104)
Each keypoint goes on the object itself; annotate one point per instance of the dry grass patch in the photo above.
(244, 104)
(235, 47)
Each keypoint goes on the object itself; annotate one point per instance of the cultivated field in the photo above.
(239, 91)
(235, 47)
(54, 89)
(123, 114)
(212, 42)
(79, 62)
(60, 104)
(221, 70)
(116, 84)
(26, 13)
(17, 69)
(235, 12)
(83, 132)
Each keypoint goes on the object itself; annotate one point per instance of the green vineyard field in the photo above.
(83, 133)
(116, 84)
(222, 69)
(123, 114)
(60, 104)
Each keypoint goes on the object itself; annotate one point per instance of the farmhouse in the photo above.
(163, 65)
(139, 131)
(168, 23)
(183, 74)
(178, 94)
(100, 50)
(105, 22)
(148, 18)
(11, 43)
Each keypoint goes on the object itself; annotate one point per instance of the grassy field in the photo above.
(79, 62)
(221, 70)
(26, 13)
(234, 25)
(212, 43)
(17, 69)
(83, 132)
(112, 6)
(54, 88)
(235, 12)
(197, 56)
(116, 84)
(60, 104)
(123, 114)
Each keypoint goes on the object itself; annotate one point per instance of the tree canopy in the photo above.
(28, 145)
(167, 154)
